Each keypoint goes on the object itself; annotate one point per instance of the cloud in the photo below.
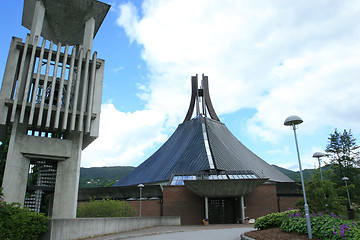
(124, 137)
(277, 57)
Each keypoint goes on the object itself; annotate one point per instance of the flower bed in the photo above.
(324, 226)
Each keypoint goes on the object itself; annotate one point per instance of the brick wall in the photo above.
(149, 208)
(180, 201)
(261, 201)
(287, 202)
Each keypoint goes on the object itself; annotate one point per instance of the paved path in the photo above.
(192, 232)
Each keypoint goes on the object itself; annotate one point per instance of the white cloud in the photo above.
(278, 57)
(124, 137)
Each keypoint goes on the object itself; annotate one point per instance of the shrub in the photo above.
(273, 220)
(105, 208)
(323, 226)
(20, 223)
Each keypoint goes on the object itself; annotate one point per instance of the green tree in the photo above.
(343, 151)
(345, 161)
(322, 195)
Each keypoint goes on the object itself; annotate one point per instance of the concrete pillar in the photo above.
(37, 21)
(89, 34)
(206, 208)
(67, 181)
(17, 166)
(242, 208)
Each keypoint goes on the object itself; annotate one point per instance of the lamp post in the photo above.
(292, 121)
(318, 155)
(140, 186)
(346, 179)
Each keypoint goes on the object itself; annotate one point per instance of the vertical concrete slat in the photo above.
(76, 91)
(36, 86)
(68, 92)
(41, 110)
(53, 87)
(96, 102)
(28, 80)
(60, 94)
(91, 93)
(17, 90)
(84, 92)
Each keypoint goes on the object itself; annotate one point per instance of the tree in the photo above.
(345, 161)
(322, 194)
(343, 151)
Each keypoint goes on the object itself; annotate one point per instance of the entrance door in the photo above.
(222, 211)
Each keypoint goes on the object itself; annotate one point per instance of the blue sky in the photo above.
(266, 60)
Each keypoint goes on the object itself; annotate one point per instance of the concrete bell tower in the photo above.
(50, 103)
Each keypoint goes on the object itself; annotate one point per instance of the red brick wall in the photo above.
(180, 201)
(149, 208)
(287, 202)
(261, 201)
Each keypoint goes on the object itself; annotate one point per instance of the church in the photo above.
(203, 172)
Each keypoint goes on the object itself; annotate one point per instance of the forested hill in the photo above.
(101, 176)
(106, 176)
(295, 175)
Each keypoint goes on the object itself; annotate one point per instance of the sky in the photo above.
(265, 60)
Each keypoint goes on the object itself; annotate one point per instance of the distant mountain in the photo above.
(295, 175)
(101, 176)
(106, 176)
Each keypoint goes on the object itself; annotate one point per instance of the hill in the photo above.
(105, 176)
(295, 175)
(101, 176)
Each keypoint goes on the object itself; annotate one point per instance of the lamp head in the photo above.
(140, 185)
(345, 179)
(319, 155)
(292, 120)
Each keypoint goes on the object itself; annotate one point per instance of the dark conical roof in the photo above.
(185, 152)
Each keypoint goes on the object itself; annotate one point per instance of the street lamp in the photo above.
(292, 121)
(318, 155)
(345, 179)
(140, 186)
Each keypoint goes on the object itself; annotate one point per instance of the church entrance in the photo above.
(222, 210)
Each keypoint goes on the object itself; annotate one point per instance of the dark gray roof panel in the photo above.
(230, 154)
(183, 152)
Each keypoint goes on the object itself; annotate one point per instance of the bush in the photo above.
(323, 226)
(105, 208)
(20, 223)
(273, 220)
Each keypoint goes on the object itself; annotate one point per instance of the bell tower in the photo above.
(50, 103)
(200, 98)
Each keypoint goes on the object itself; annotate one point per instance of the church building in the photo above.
(204, 172)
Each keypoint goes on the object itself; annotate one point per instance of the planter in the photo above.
(206, 223)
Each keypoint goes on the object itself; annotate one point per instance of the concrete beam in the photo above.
(89, 34)
(37, 21)
(16, 168)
